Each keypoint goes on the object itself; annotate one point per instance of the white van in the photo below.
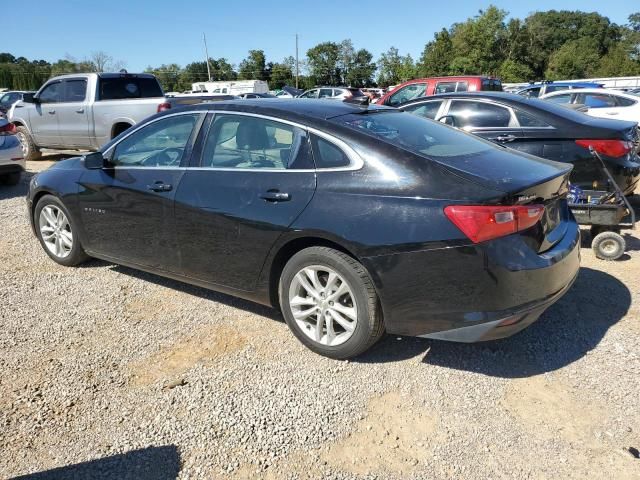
(235, 87)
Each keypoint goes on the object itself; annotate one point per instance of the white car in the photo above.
(12, 162)
(601, 102)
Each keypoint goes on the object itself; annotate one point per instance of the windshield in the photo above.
(416, 134)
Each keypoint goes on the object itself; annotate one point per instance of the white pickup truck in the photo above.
(84, 111)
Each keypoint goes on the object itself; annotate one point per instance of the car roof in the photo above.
(562, 84)
(601, 91)
(289, 108)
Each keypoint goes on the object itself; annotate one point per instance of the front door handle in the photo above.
(52, 112)
(160, 186)
(80, 110)
(275, 196)
(504, 138)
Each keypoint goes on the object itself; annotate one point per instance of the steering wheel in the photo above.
(163, 159)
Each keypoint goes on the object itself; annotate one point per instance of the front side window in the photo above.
(158, 144)
(415, 90)
(530, 92)
(462, 87)
(310, 94)
(238, 141)
(470, 114)
(561, 99)
(427, 109)
(75, 90)
(446, 87)
(52, 93)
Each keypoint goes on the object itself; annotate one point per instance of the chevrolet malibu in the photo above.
(353, 221)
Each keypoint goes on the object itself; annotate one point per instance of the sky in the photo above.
(144, 33)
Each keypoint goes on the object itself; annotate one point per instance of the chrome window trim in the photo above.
(356, 162)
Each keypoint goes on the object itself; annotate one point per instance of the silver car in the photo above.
(12, 162)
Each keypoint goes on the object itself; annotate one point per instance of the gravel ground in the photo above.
(106, 372)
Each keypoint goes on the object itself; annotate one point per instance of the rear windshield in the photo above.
(416, 134)
(120, 88)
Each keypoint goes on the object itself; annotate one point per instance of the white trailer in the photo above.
(235, 87)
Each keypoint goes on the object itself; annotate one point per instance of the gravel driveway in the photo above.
(106, 372)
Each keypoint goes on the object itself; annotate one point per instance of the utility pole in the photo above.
(206, 53)
(297, 67)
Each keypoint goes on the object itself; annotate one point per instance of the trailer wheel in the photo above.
(608, 245)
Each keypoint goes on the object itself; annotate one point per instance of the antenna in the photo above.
(206, 53)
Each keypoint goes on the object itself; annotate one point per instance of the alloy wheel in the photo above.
(23, 144)
(55, 231)
(323, 305)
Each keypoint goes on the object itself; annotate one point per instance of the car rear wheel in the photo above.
(329, 303)
(29, 149)
(56, 233)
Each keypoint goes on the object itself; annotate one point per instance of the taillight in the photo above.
(8, 129)
(481, 223)
(610, 148)
(163, 107)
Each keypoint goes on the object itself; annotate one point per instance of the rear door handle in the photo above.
(80, 110)
(275, 196)
(52, 112)
(504, 138)
(160, 186)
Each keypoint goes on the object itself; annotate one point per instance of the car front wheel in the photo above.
(56, 233)
(329, 303)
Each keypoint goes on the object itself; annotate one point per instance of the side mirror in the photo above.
(30, 98)
(94, 161)
(447, 120)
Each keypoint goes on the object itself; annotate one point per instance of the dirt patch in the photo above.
(393, 438)
(550, 410)
(174, 361)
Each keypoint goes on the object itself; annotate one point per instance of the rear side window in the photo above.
(326, 93)
(75, 90)
(238, 141)
(556, 88)
(496, 85)
(446, 87)
(596, 100)
(328, 155)
(527, 120)
(129, 87)
(530, 92)
(479, 114)
(625, 102)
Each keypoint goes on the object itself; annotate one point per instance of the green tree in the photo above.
(575, 59)
(169, 76)
(436, 56)
(253, 67)
(323, 61)
(361, 69)
(394, 68)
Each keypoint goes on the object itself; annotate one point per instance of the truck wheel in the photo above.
(30, 150)
(608, 245)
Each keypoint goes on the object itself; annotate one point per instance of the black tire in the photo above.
(77, 254)
(11, 178)
(608, 246)
(369, 326)
(31, 150)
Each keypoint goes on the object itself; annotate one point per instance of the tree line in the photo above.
(545, 45)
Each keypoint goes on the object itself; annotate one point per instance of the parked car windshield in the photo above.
(416, 134)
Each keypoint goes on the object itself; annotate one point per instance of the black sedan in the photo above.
(353, 221)
(543, 129)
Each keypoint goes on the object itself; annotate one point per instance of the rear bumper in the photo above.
(466, 293)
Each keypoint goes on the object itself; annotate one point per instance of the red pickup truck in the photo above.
(423, 87)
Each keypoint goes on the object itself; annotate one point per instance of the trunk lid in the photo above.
(524, 180)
